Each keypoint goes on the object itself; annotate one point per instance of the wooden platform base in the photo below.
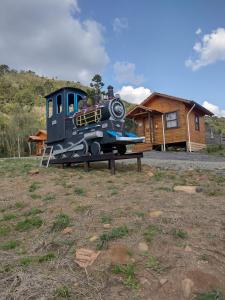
(86, 160)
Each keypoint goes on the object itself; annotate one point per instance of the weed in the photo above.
(49, 197)
(179, 233)
(20, 204)
(25, 261)
(33, 211)
(158, 175)
(34, 186)
(204, 257)
(139, 214)
(10, 245)
(114, 191)
(35, 196)
(79, 191)
(48, 257)
(82, 208)
(106, 219)
(61, 221)
(4, 230)
(115, 233)
(63, 292)
(128, 271)
(153, 264)
(213, 295)
(151, 232)
(29, 223)
(8, 217)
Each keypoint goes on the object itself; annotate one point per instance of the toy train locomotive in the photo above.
(73, 130)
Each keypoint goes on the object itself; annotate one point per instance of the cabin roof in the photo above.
(134, 111)
(186, 101)
(37, 137)
(65, 88)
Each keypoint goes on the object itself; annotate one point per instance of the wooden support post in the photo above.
(112, 166)
(138, 164)
(109, 164)
(86, 166)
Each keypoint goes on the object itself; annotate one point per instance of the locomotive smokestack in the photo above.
(110, 92)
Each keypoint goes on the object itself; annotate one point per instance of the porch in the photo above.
(150, 124)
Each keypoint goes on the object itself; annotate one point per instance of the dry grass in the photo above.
(37, 258)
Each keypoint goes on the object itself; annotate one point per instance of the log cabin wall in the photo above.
(197, 136)
(165, 105)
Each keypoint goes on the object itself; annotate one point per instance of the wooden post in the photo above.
(86, 166)
(112, 166)
(109, 164)
(138, 164)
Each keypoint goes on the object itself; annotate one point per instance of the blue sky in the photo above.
(159, 38)
(169, 46)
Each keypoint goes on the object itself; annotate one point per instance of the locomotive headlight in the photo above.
(117, 109)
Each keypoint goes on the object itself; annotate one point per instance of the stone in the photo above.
(67, 230)
(190, 189)
(93, 238)
(162, 281)
(85, 257)
(143, 247)
(187, 249)
(33, 172)
(187, 286)
(155, 213)
(107, 226)
(150, 174)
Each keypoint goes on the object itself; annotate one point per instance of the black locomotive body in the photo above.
(75, 130)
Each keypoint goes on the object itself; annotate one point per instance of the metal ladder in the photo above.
(46, 155)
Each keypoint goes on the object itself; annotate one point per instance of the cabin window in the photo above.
(197, 122)
(59, 104)
(71, 106)
(172, 120)
(50, 108)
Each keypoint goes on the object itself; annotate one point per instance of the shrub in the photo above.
(29, 223)
(128, 271)
(151, 232)
(115, 233)
(10, 245)
(61, 221)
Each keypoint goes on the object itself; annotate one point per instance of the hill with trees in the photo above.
(22, 106)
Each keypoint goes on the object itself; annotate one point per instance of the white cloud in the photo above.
(214, 109)
(198, 31)
(47, 37)
(134, 95)
(210, 50)
(120, 24)
(126, 73)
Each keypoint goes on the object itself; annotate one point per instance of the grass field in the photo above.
(155, 243)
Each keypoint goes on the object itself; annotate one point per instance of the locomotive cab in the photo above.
(60, 107)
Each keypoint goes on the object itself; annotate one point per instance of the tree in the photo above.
(97, 84)
(4, 69)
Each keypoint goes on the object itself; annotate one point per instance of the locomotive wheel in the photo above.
(121, 149)
(95, 148)
(58, 156)
(83, 151)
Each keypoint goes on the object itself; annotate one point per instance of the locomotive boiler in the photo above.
(74, 129)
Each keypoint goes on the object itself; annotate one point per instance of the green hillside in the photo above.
(22, 107)
(217, 123)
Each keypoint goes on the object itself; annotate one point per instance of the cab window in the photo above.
(71, 106)
(50, 108)
(59, 104)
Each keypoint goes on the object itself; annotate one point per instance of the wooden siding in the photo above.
(172, 135)
(197, 136)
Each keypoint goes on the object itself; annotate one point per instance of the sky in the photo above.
(175, 47)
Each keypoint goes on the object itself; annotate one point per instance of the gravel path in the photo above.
(183, 160)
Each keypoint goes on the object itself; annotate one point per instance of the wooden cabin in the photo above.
(166, 121)
(39, 139)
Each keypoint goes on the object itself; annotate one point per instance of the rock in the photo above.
(118, 254)
(187, 249)
(162, 281)
(187, 286)
(33, 172)
(85, 257)
(143, 247)
(67, 230)
(107, 226)
(190, 189)
(93, 238)
(155, 213)
(150, 174)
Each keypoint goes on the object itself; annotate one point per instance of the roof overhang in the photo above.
(140, 110)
